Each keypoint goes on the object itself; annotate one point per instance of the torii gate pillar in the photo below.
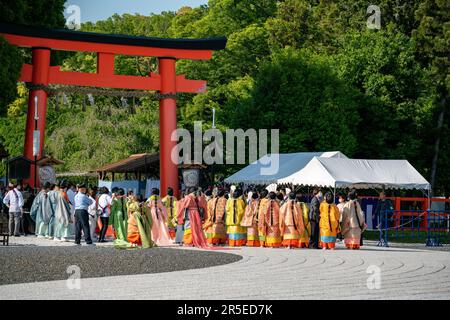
(167, 125)
(36, 118)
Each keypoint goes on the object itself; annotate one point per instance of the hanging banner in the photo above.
(36, 142)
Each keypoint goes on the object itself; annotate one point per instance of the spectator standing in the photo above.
(383, 205)
(14, 201)
(314, 218)
(82, 203)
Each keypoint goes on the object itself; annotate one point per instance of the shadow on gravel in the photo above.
(34, 264)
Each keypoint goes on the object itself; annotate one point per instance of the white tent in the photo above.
(358, 173)
(258, 172)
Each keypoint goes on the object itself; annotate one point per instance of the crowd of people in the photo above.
(216, 217)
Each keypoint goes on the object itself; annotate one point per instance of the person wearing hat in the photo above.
(14, 201)
(82, 203)
(53, 196)
(63, 218)
(41, 211)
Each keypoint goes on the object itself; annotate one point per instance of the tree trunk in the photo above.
(436, 144)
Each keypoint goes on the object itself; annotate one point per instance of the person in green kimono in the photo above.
(118, 218)
(63, 219)
(139, 225)
(41, 212)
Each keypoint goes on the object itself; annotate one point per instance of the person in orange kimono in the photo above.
(190, 217)
(263, 203)
(250, 221)
(214, 225)
(291, 222)
(270, 224)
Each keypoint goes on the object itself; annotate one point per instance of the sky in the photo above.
(93, 10)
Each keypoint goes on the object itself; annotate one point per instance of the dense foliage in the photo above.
(310, 68)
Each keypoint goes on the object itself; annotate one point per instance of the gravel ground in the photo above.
(24, 264)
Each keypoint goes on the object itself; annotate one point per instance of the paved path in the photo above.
(406, 273)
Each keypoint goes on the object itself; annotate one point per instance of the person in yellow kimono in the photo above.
(214, 225)
(329, 222)
(270, 224)
(291, 222)
(170, 202)
(237, 235)
(306, 234)
(250, 221)
(139, 225)
(263, 204)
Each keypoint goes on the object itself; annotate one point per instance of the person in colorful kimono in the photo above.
(250, 220)
(342, 200)
(291, 222)
(270, 222)
(329, 222)
(263, 205)
(41, 212)
(235, 209)
(160, 231)
(118, 218)
(170, 203)
(190, 217)
(214, 225)
(305, 235)
(181, 214)
(353, 222)
(139, 233)
(63, 217)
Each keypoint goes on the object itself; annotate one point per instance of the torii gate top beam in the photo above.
(67, 40)
(107, 46)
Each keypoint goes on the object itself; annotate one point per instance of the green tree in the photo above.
(298, 93)
(433, 40)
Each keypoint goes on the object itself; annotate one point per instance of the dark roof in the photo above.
(65, 34)
(49, 160)
(139, 163)
(19, 158)
(135, 162)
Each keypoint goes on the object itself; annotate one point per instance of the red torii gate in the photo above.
(42, 41)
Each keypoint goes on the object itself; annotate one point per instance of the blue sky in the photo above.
(93, 10)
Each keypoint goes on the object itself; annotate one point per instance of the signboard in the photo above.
(47, 174)
(191, 177)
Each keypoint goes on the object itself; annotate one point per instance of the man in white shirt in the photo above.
(14, 201)
(104, 205)
(71, 192)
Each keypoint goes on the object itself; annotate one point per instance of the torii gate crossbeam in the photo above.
(43, 41)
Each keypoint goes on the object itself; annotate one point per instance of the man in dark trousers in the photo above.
(314, 218)
(382, 210)
(82, 202)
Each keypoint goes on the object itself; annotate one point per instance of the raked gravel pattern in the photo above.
(405, 273)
